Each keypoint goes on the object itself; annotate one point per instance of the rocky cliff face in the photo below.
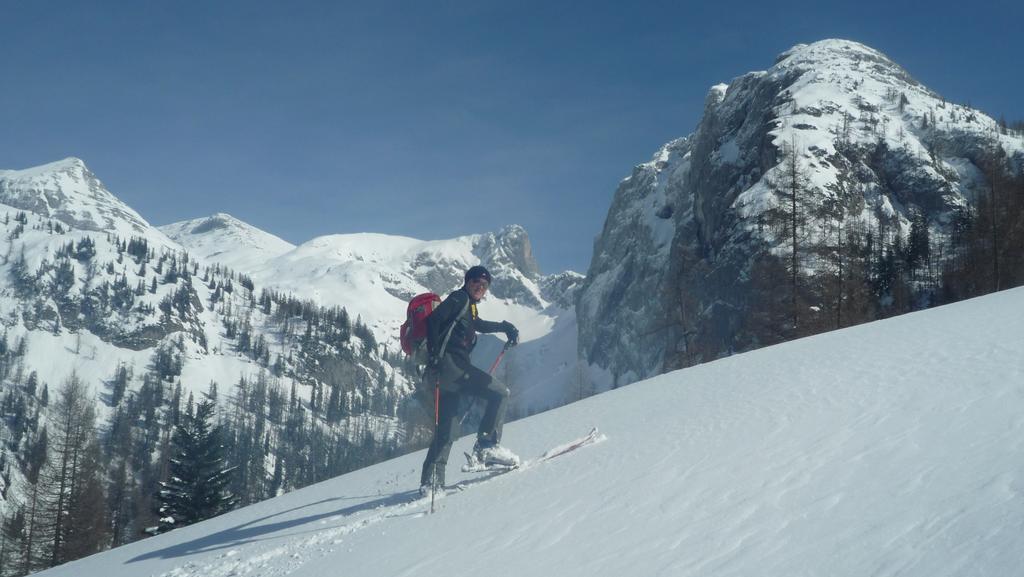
(508, 255)
(871, 147)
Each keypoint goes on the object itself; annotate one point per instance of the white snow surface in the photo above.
(225, 239)
(892, 448)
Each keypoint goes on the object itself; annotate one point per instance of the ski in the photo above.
(590, 438)
(498, 470)
(472, 466)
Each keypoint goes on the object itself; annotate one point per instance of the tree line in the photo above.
(832, 271)
(74, 486)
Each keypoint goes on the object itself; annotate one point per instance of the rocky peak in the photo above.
(68, 191)
(845, 64)
(561, 288)
(830, 50)
(671, 267)
(509, 256)
(509, 247)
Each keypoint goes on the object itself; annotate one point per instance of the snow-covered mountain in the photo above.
(68, 192)
(298, 343)
(224, 239)
(863, 147)
(375, 275)
(370, 275)
(892, 448)
(840, 454)
(90, 292)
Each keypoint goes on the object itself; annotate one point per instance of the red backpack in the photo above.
(414, 329)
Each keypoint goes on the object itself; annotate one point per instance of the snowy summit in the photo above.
(227, 240)
(69, 192)
(863, 147)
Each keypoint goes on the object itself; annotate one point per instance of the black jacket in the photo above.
(459, 309)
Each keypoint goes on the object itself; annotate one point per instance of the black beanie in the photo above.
(478, 272)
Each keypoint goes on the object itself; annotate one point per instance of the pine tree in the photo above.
(919, 243)
(790, 216)
(769, 309)
(196, 488)
(119, 503)
(87, 529)
(12, 535)
(72, 478)
(34, 531)
(119, 384)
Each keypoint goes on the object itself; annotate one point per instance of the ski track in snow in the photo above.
(297, 551)
(407, 504)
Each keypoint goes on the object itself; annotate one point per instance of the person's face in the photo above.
(477, 287)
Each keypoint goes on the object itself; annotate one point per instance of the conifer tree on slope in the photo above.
(197, 487)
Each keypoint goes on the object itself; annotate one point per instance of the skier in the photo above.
(451, 336)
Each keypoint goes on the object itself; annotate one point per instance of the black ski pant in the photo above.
(476, 383)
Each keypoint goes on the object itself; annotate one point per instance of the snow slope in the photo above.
(894, 448)
(224, 239)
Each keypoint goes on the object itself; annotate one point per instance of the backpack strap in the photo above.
(448, 334)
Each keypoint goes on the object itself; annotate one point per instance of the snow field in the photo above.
(893, 448)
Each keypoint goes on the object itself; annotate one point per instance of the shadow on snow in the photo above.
(250, 532)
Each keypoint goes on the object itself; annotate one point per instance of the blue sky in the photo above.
(426, 119)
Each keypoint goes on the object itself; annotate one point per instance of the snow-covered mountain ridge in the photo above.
(69, 192)
(375, 275)
(225, 239)
(91, 293)
(891, 448)
(867, 150)
(371, 275)
(116, 247)
(298, 343)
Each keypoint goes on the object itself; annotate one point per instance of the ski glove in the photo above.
(511, 333)
(433, 368)
(432, 374)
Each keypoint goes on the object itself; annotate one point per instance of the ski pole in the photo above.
(437, 426)
(498, 360)
(490, 372)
